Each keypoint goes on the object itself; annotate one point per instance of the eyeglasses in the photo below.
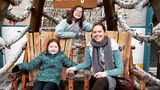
(76, 11)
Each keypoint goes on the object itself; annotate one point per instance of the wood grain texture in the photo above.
(72, 3)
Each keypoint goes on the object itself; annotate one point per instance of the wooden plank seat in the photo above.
(123, 39)
(36, 43)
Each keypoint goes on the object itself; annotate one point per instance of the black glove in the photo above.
(75, 72)
(15, 69)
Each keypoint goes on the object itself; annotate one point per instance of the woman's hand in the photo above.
(70, 69)
(100, 75)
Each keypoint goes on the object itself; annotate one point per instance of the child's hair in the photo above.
(99, 23)
(70, 17)
(52, 40)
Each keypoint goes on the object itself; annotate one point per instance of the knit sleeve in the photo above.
(67, 62)
(87, 63)
(61, 31)
(32, 64)
(119, 65)
(87, 26)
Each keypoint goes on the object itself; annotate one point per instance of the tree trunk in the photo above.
(156, 8)
(110, 13)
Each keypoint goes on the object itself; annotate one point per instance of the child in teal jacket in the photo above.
(51, 62)
(70, 27)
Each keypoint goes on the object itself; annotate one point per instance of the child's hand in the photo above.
(70, 69)
(100, 75)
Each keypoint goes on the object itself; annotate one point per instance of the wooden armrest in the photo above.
(87, 74)
(82, 46)
(140, 75)
(70, 75)
(132, 46)
(14, 76)
(24, 47)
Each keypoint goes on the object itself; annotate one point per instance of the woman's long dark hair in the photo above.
(50, 41)
(70, 17)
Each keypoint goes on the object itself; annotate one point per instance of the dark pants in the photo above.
(40, 85)
(98, 84)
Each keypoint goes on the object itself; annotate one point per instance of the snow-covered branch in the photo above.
(139, 5)
(12, 40)
(152, 78)
(51, 18)
(9, 64)
(20, 18)
(124, 5)
(138, 36)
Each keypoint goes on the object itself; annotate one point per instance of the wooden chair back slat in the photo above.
(112, 34)
(36, 52)
(30, 52)
(54, 36)
(88, 38)
(45, 36)
(62, 44)
(36, 44)
(121, 40)
(126, 57)
(67, 51)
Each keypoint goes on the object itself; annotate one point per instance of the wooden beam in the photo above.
(36, 15)
(156, 8)
(158, 65)
(109, 10)
(4, 4)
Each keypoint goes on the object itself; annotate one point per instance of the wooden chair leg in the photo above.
(86, 84)
(142, 85)
(70, 84)
(15, 84)
(23, 85)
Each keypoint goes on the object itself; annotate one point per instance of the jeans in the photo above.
(98, 84)
(41, 85)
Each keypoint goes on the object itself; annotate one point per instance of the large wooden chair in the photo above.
(36, 43)
(123, 39)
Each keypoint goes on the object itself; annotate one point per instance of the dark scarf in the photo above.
(96, 63)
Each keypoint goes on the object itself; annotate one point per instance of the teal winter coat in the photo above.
(50, 66)
(64, 29)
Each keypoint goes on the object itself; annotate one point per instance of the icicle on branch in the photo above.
(141, 5)
(124, 5)
(15, 2)
(138, 36)
(14, 39)
(9, 64)
(152, 78)
(99, 4)
(20, 18)
(51, 18)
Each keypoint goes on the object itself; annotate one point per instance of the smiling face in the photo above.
(98, 33)
(77, 14)
(53, 48)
